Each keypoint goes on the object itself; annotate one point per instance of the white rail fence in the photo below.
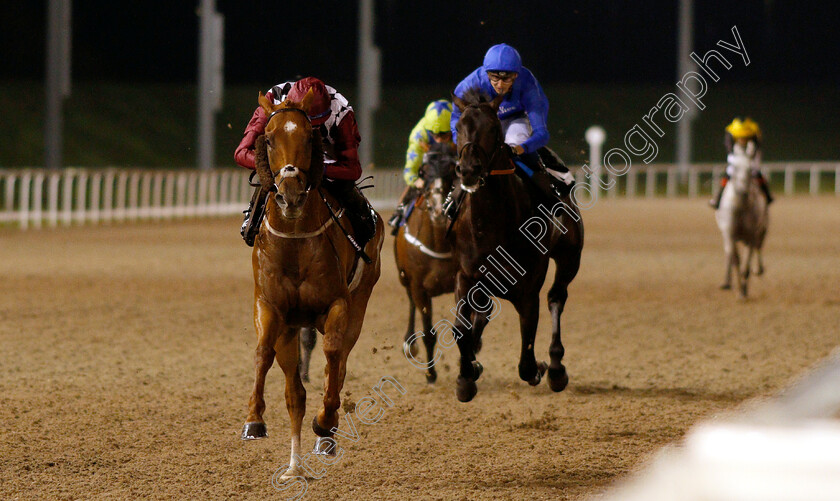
(34, 198)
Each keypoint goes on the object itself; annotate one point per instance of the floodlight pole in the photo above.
(368, 81)
(684, 65)
(57, 85)
(210, 80)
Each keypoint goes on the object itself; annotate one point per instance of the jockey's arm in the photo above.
(536, 105)
(346, 162)
(414, 153)
(244, 154)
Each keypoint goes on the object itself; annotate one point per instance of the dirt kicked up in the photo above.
(127, 363)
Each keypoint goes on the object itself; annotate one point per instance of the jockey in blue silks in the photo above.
(523, 113)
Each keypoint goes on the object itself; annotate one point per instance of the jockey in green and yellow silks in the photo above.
(433, 127)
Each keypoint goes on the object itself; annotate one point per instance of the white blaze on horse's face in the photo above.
(290, 126)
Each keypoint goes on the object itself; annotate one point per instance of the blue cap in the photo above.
(502, 57)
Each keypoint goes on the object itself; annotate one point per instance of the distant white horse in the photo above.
(742, 217)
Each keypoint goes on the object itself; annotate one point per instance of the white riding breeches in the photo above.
(516, 130)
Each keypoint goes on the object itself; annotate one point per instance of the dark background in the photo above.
(606, 62)
(568, 41)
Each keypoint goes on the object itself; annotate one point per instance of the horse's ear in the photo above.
(460, 103)
(497, 102)
(307, 100)
(267, 106)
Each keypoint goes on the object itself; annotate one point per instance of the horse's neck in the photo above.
(498, 204)
(430, 234)
(315, 214)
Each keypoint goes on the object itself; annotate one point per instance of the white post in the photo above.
(684, 65)
(57, 85)
(23, 192)
(210, 83)
(368, 81)
(650, 182)
(67, 197)
(81, 197)
(815, 180)
(37, 199)
(108, 197)
(789, 180)
(53, 202)
(596, 136)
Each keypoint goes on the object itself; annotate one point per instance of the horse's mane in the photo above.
(474, 95)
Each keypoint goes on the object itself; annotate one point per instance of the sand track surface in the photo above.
(127, 363)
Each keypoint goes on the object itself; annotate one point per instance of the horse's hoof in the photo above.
(465, 389)
(558, 379)
(410, 348)
(324, 447)
(725, 287)
(478, 369)
(541, 368)
(431, 376)
(254, 430)
(278, 480)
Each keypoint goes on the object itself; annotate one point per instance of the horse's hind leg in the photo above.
(412, 346)
(308, 337)
(286, 350)
(429, 335)
(759, 270)
(529, 317)
(268, 326)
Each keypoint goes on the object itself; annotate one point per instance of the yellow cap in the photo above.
(438, 114)
(743, 129)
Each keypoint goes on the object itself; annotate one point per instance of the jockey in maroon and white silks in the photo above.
(330, 112)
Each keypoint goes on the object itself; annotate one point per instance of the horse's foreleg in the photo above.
(412, 348)
(308, 337)
(286, 350)
(529, 317)
(730, 252)
(465, 387)
(338, 340)
(557, 376)
(745, 273)
(268, 325)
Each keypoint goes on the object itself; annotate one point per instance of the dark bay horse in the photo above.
(494, 256)
(423, 253)
(306, 274)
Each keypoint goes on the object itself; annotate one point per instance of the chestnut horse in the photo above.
(423, 254)
(306, 274)
(487, 236)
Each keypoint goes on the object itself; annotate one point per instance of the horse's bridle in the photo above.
(490, 158)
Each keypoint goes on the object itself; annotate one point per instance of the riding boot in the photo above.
(549, 185)
(253, 215)
(714, 203)
(358, 211)
(396, 220)
(453, 202)
(765, 188)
